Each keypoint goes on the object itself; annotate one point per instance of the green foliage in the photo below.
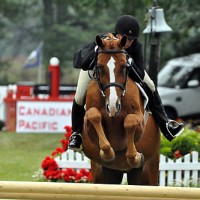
(188, 141)
(64, 25)
(183, 17)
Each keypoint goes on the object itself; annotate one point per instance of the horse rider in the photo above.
(84, 58)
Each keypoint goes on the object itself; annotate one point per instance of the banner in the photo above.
(42, 117)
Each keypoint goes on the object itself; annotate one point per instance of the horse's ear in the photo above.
(123, 41)
(99, 41)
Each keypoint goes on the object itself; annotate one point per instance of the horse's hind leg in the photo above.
(134, 176)
(146, 175)
(93, 115)
(151, 170)
(103, 175)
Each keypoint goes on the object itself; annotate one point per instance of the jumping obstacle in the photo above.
(81, 191)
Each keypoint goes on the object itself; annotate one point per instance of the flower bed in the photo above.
(51, 172)
(187, 142)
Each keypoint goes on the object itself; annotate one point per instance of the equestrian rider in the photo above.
(126, 25)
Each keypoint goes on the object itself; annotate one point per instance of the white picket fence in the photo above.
(185, 171)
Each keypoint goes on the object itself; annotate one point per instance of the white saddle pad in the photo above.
(145, 97)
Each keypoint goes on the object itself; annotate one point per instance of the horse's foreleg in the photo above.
(106, 151)
(134, 127)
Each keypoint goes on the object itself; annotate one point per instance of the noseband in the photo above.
(102, 87)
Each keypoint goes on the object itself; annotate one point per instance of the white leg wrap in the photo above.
(149, 82)
(83, 82)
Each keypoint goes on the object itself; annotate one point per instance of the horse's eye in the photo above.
(124, 67)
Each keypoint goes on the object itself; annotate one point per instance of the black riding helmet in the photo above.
(127, 25)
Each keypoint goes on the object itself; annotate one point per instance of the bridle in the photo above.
(102, 87)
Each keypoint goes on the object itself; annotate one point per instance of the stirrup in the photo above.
(175, 124)
(75, 133)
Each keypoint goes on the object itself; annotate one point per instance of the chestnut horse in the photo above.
(116, 136)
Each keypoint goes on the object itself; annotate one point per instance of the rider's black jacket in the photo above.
(84, 57)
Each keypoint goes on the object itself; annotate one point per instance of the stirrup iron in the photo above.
(176, 125)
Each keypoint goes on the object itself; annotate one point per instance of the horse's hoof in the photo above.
(136, 161)
(107, 156)
(142, 160)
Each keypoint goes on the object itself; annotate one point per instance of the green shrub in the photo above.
(188, 141)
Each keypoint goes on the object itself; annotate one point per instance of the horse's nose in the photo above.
(118, 106)
(113, 109)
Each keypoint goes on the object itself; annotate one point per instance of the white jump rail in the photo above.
(82, 191)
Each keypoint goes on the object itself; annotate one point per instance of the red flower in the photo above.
(68, 129)
(69, 175)
(177, 154)
(53, 173)
(49, 163)
(83, 176)
(64, 144)
(58, 151)
(67, 135)
(90, 177)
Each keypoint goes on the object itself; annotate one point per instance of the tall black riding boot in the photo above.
(78, 113)
(168, 127)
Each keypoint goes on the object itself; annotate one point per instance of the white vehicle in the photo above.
(179, 86)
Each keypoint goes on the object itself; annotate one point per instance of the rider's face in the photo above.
(128, 41)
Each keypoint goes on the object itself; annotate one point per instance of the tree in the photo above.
(64, 25)
(183, 16)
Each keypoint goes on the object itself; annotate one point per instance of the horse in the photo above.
(116, 136)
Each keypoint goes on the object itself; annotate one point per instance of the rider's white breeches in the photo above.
(149, 82)
(83, 82)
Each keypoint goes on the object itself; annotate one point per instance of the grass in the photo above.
(21, 154)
